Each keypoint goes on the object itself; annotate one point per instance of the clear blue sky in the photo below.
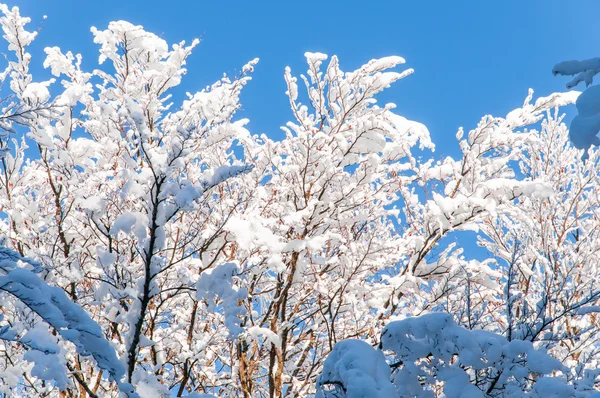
(470, 57)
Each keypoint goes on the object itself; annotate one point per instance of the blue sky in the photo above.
(470, 57)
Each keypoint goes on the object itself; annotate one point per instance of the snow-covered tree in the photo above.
(115, 206)
(430, 356)
(543, 285)
(161, 249)
(538, 292)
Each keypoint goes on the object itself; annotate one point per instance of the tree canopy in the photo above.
(156, 248)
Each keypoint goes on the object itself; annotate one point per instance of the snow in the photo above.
(536, 189)
(68, 319)
(315, 57)
(218, 284)
(188, 193)
(70, 96)
(586, 125)
(451, 352)
(447, 168)
(141, 40)
(376, 65)
(251, 233)
(410, 128)
(222, 173)
(359, 368)
(37, 92)
(584, 71)
(255, 331)
(93, 203)
(131, 222)
(292, 85)
(369, 141)
(45, 354)
(13, 26)
(531, 113)
(437, 336)
(59, 63)
(557, 100)
(588, 310)
(249, 67)
(147, 386)
(588, 103)
(45, 367)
